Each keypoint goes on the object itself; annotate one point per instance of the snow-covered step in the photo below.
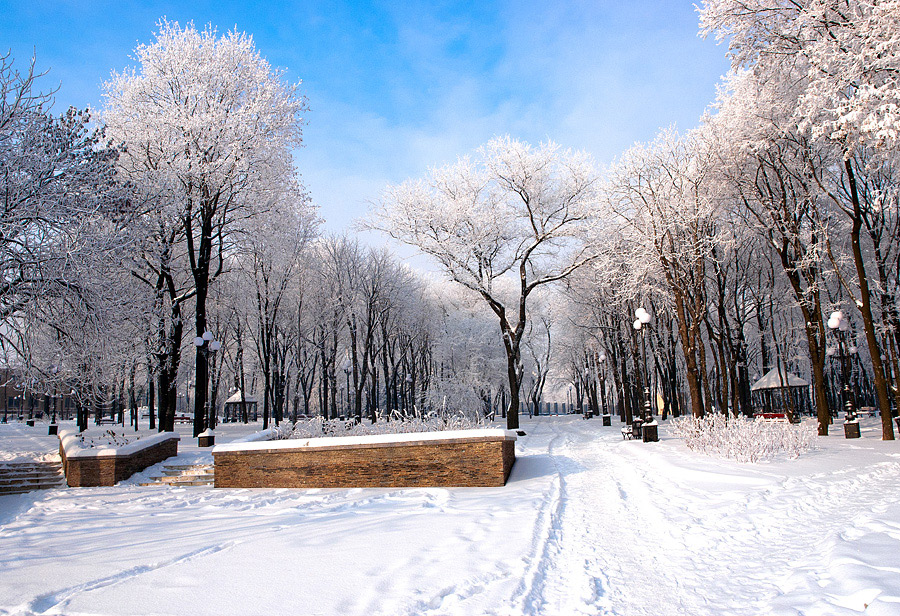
(184, 475)
(16, 488)
(185, 467)
(8, 468)
(180, 483)
(19, 477)
(177, 478)
(30, 478)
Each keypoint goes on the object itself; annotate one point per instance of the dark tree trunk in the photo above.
(884, 402)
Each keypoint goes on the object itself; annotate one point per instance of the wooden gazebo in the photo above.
(233, 407)
(780, 392)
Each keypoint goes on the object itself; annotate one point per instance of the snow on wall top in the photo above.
(69, 441)
(371, 439)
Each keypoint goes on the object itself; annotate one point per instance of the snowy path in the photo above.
(639, 530)
(588, 524)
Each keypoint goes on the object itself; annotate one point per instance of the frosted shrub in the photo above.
(744, 440)
(317, 426)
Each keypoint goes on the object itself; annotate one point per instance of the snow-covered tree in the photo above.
(206, 126)
(501, 223)
(56, 182)
(843, 58)
(662, 193)
(848, 51)
(765, 161)
(270, 259)
(60, 219)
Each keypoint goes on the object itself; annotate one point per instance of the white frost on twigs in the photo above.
(744, 440)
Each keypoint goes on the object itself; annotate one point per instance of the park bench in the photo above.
(634, 431)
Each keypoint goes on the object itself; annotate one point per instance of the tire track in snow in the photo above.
(527, 593)
(581, 580)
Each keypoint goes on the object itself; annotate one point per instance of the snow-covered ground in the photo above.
(588, 524)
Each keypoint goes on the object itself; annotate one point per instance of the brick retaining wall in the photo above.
(106, 467)
(457, 461)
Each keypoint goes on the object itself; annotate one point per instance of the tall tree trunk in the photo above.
(865, 299)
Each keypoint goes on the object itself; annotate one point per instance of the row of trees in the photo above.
(735, 240)
(745, 233)
(183, 212)
(739, 236)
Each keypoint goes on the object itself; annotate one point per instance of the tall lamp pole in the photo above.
(643, 318)
(410, 405)
(649, 429)
(207, 347)
(347, 367)
(840, 325)
(601, 374)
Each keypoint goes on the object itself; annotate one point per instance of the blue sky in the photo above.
(395, 88)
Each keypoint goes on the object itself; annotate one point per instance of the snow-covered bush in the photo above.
(317, 426)
(744, 440)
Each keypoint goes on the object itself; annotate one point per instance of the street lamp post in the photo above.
(53, 428)
(643, 318)
(207, 347)
(6, 396)
(585, 401)
(840, 326)
(649, 428)
(408, 401)
(347, 367)
(601, 374)
(853, 371)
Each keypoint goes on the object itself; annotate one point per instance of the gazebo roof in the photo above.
(778, 380)
(236, 398)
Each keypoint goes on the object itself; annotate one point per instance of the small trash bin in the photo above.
(607, 420)
(52, 430)
(207, 438)
(851, 429)
(29, 422)
(651, 432)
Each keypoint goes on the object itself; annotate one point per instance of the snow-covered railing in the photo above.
(107, 465)
(481, 457)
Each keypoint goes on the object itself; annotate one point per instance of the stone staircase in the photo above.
(20, 477)
(184, 475)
